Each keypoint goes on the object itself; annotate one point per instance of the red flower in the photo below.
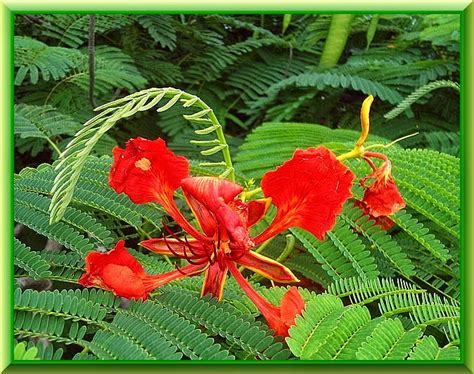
(119, 272)
(116, 271)
(308, 192)
(381, 198)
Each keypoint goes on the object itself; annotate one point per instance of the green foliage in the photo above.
(414, 96)
(72, 29)
(37, 125)
(238, 329)
(159, 332)
(328, 330)
(160, 29)
(370, 294)
(33, 58)
(342, 254)
(21, 353)
(30, 261)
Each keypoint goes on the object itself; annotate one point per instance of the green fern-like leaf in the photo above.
(61, 304)
(30, 261)
(342, 254)
(328, 330)
(304, 337)
(22, 353)
(306, 265)
(414, 96)
(428, 349)
(421, 234)
(60, 232)
(153, 326)
(44, 314)
(273, 143)
(77, 219)
(331, 79)
(388, 341)
(444, 141)
(75, 155)
(113, 69)
(380, 240)
(72, 29)
(160, 29)
(45, 350)
(238, 329)
(363, 292)
(424, 310)
(42, 122)
(65, 266)
(92, 191)
(36, 59)
(108, 345)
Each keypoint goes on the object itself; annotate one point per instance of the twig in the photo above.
(91, 53)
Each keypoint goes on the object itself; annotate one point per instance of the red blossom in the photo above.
(147, 171)
(308, 191)
(117, 271)
(381, 198)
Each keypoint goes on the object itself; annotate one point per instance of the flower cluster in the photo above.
(308, 191)
(381, 198)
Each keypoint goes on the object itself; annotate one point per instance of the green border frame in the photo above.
(10, 8)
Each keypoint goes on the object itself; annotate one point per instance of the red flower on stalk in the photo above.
(307, 190)
(119, 272)
(382, 198)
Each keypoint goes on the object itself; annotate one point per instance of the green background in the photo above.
(6, 170)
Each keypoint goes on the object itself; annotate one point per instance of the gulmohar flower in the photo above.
(382, 197)
(308, 191)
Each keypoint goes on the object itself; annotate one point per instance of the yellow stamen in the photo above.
(143, 164)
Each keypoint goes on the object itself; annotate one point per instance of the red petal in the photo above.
(256, 210)
(116, 270)
(382, 198)
(147, 171)
(269, 311)
(291, 305)
(96, 261)
(210, 190)
(214, 281)
(308, 190)
(267, 267)
(122, 281)
(206, 219)
(384, 222)
(280, 319)
(161, 246)
(215, 194)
